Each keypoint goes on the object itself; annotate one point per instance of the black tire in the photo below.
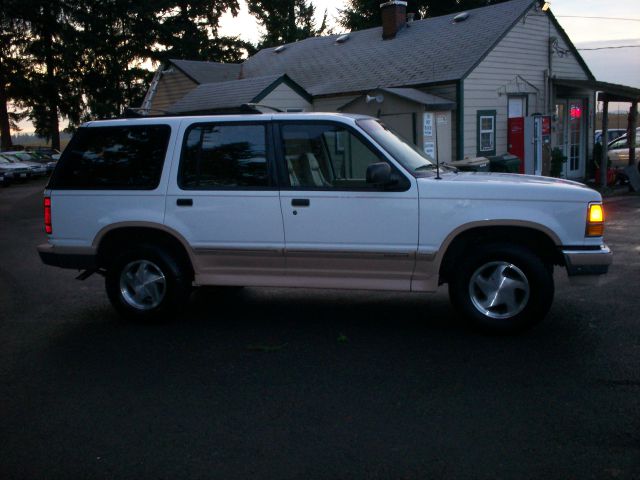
(524, 288)
(157, 299)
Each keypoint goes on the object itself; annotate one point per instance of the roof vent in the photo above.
(461, 17)
(342, 38)
(281, 48)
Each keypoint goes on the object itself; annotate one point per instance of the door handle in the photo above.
(184, 202)
(300, 202)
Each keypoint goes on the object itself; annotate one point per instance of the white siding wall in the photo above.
(284, 97)
(523, 52)
(450, 93)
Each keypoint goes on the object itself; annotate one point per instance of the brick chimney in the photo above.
(394, 16)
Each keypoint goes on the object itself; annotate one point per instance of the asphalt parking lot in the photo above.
(274, 383)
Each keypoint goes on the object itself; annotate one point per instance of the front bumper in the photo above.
(588, 262)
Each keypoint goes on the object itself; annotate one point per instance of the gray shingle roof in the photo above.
(208, 72)
(431, 101)
(429, 51)
(223, 95)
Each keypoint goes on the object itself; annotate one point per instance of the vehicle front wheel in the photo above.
(502, 288)
(147, 284)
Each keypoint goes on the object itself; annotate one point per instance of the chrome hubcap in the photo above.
(142, 284)
(499, 290)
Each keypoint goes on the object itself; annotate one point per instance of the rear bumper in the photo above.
(588, 262)
(67, 257)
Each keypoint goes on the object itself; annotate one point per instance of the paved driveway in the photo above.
(271, 383)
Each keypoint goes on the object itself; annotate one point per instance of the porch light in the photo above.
(546, 6)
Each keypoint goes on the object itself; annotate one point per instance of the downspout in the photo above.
(460, 119)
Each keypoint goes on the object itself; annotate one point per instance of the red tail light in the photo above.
(47, 215)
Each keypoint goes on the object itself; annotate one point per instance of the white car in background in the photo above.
(618, 151)
(18, 170)
(612, 134)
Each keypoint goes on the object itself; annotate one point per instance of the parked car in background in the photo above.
(618, 151)
(37, 169)
(37, 157)
(18, 170)
(48, 151)
(6, 176)
(612, 134)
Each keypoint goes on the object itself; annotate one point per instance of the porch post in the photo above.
(631, 132)
(605, 127)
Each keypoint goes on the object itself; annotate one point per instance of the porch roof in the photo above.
(611, 92)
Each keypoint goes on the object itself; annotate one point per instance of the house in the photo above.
(449, 84)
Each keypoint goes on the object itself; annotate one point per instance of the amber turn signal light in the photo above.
(595, 220)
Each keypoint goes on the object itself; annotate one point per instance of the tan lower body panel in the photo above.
(426, 274)
(238, 267)
(314, 269)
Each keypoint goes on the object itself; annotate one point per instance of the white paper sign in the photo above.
(428, 124)
(430, 149)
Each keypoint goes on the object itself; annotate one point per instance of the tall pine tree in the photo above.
(76, 60)
(51, 88)
(286, 21)
(189, 30)
(12, 69)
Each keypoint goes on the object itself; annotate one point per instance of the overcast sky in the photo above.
(616, 66)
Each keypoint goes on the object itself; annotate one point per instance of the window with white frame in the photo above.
(486, 132)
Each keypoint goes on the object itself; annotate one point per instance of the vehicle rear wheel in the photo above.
(147, 284)
(502, 288)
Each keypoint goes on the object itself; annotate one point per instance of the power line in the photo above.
(611, 48)
(601, 18)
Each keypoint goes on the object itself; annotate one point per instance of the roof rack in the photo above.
(244, 109)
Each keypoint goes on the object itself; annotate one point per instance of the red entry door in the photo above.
(515, 139)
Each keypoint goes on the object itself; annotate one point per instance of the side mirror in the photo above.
(379, 173)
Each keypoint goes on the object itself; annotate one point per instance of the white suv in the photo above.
(159, 205)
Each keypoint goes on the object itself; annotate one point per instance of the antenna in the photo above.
(435, 131)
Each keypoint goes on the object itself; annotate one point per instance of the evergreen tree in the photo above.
(189, 30)
(361, 14)
(286, 21)
(84, 59)
(50, 87)
(116, 38)
(12, 68)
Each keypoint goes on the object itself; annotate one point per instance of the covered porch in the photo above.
(608, 93)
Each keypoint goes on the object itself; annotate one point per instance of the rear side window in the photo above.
(219, 156)
(113, 158)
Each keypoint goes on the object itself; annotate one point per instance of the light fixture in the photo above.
(546, 6)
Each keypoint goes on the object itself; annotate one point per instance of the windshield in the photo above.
(405, 153)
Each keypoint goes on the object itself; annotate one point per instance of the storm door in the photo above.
(570, 135)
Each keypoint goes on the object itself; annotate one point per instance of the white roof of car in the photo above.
(307, 116)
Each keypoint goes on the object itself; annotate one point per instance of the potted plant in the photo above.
(558, 159)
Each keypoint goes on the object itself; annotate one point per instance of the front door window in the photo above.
(576, 143)
(570, 136)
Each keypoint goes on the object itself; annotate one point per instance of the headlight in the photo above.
(595, 220)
